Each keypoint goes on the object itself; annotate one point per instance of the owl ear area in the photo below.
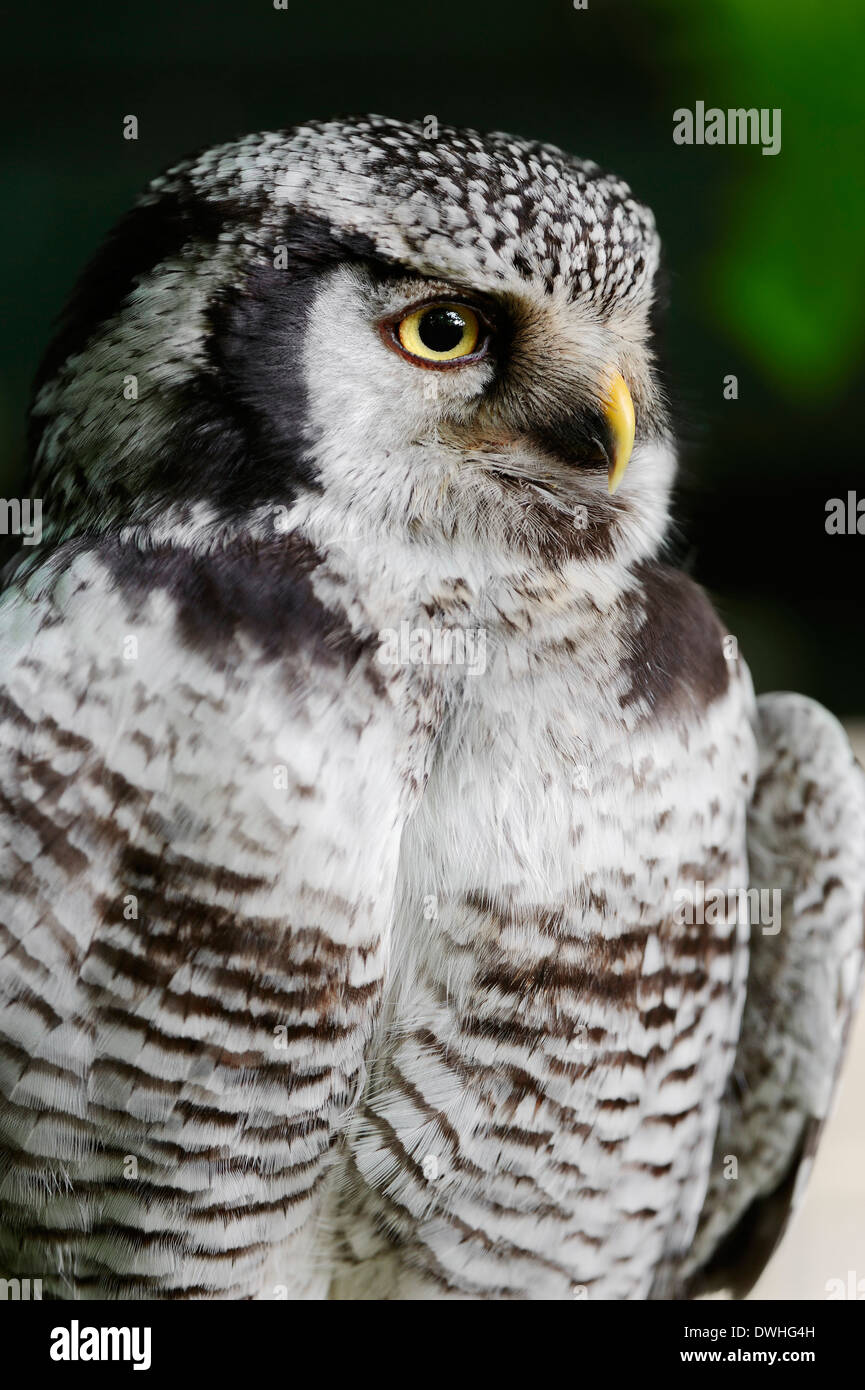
(618, 411)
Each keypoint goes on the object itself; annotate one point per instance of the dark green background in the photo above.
(766, 256)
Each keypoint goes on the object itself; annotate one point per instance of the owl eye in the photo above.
(440, 332)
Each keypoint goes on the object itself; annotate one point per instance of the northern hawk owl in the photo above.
(403, 894)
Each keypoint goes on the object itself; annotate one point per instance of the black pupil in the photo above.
(441, 330)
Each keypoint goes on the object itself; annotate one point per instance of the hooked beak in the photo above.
(618, 410)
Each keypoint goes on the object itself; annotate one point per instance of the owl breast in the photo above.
(539, 1119)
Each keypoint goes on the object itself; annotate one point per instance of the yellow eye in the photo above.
(440, 332)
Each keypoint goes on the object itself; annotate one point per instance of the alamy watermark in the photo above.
(729, 907)
(21, 516)
(434, 646)
(77, 1343)
(739, 126)
(845, 517)
(20, 1290)
(852, 1288)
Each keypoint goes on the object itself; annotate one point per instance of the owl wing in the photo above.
(806, 839)
(201, 798)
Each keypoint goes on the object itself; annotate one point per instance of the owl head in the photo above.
(387, 328)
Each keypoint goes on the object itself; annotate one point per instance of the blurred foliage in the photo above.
(787, 278)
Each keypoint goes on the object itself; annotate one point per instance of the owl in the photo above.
(403, 894)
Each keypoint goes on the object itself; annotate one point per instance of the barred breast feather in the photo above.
(192, 921)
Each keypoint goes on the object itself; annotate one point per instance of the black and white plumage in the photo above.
(348, 977)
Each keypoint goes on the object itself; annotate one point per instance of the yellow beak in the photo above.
(619, 415)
